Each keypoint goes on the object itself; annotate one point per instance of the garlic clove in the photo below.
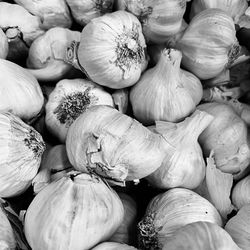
(52, 13)
(70, 99)
(238, 227)
(83, 11)
(241, 192)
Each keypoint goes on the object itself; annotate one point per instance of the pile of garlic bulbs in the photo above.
(124, 125)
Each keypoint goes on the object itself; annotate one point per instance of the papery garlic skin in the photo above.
(241, 192)
(14, 15)
(186, 166)
(234, 8)
(20, 92)
(201, 235)
(70, 99)
(165, 92)
(160, 18)
(4, 47)
(238, 227)
(52, 13)
(55, 165)
(75, 212)
(112, 50)
(113, 246)
(209, 44)
(226, 135)
(46, 58)
(113, 145)
(7, 237)
(83, 11)
(171, 210)
(21, 149)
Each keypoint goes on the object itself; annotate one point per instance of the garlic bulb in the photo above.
(169, 211)
(160, 19)
(20, 92)
(83, 11)
(186, 166)
(209, 44)
(68, 100)
(126, 232)
(226, 135)
(241, 192)
(7, 237)
(201, 235)
(55, 165)
(238, 227)
(113, 145)
(111, 51)
(4, 47)
(52, 13)
(216, 188)
(20, 26)
(21, 149)
(75, 212)
(47, 54)
(113, 246)
(234, 8)
(165, 92)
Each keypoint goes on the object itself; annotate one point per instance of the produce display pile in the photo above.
(124, 124)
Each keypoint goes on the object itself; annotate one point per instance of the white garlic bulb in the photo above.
(185, 167)
(21, 149)
(20, 92)
(165, 92)
(4, 47)
(111, 50)
(68, 100)
(75, 212)
(171, 210)
(47, 54)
